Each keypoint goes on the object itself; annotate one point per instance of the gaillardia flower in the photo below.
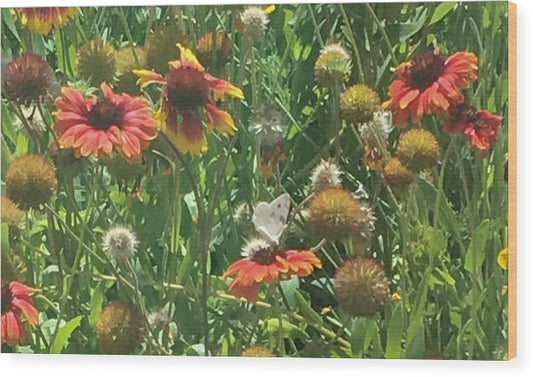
(16, 301)
(11, 213)
(187, 93)
(268, 129)
(430, 83)
(97, 125)
(267, 263)
(325, 174)
(96, 61)
(333, 66)
(27, 78)
(30, 181)
(359, 103)
(481, 126)
(42, 20)
(257, 351)
(396, 174)
(336, 214)
(119, 328)
(418, 149)
(361, 286)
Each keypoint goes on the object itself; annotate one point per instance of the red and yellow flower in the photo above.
(16, 301)
(481, 126)
(430, 83)
(188, 93)
(42, 20)
(267, 263)
(98, 125)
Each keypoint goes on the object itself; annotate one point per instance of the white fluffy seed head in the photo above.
(377, 129)
(120, 242)
(326, 174)
(255, 21)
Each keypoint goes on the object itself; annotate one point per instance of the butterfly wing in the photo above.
(270, 218)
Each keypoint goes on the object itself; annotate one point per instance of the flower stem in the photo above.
(351, 37)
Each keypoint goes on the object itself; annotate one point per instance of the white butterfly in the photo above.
(270, 218)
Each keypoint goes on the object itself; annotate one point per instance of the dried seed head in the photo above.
(11, 213)
(30, 181)
(397, 174)
(333, 66)
(359, 103)
(27, 78)
(326, 174)
(418, 149)
(361, 286)
(120, 242)
(119, 328)
(97, 62)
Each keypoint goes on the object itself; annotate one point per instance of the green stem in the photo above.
(315, 24)
(383, 33)
(128, 34)
(351, 37)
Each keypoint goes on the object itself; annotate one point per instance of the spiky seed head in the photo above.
(361, 286)
(397, 174)
(418, 149)
(27, 79)
(335, 214)
(30, 181)
(333, 66)
(326, 174)
(119, 328)
(359, 103)
(97, 62)
(11, 214)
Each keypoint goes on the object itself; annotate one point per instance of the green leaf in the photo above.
(97, 299)
(475, 254)
(64, 334)
(441, 11)
(289, 330)
(394, 334)
(305, 308)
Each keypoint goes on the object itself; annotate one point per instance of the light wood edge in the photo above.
(512, 165)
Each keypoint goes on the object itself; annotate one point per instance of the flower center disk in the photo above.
(187, 89)
(104, 115)
(426, 69)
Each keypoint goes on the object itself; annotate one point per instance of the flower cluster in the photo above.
(432, 83)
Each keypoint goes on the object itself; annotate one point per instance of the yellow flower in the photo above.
(503, 257)
(396, 297)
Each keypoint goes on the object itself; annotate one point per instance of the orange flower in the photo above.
(42, 20)
(188, 92)
(93, 125)
(481, 126)
(429, 84)
(16, 301)
(267, 263)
